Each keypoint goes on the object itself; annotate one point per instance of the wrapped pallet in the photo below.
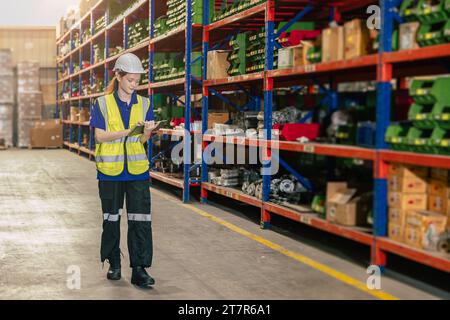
(6, 98)
(6, 124)
(29, 110)
(6, 77)
(28, 76)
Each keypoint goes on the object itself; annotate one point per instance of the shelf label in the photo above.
(310, 68)
(309, 149)
(305, 219)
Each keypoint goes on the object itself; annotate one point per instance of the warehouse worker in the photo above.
(123, 170)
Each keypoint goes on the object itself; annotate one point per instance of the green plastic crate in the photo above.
(441, 115)
(408, 10)
(430, 91)
(433, 34)
(196, 68)
(418, 140)
(432, 11)
(421, 116)
(395, 136)
(441, 141)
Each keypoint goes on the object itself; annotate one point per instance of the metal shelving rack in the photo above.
(383, 67)
(376, 66)
(181, 39)
(113, 30)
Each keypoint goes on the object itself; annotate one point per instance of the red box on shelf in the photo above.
(292, 131)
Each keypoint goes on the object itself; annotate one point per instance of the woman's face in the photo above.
(129, 82)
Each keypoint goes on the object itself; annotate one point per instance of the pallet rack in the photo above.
(113, 32)
(382, 67)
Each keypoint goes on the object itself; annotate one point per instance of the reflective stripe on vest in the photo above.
(110, 156)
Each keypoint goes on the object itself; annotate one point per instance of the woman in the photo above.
(123, 170)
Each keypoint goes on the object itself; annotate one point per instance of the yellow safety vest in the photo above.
(110, 156)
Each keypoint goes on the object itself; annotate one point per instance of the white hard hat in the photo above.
(129, 63)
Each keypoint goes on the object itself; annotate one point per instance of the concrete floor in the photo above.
(50, 225)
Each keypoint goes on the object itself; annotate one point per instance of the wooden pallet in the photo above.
(44, 148)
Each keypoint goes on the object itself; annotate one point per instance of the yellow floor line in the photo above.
(303, 259)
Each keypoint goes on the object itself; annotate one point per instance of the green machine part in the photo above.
(314, 54)
(318, 204)
(432, 11)
(395, 41)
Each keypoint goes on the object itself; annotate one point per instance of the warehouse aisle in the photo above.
(50, 226)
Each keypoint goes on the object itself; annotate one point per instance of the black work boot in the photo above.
(114, 272)
(141, 278)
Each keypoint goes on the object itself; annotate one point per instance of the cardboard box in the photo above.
(407, 201)
(423, 229)
(333, 44)
(412, 236)
(346, 209)
(439, 188)
(438, 204)
(84, 115)
(397, 216)
(407, 184)
(396, 232)
(217, 117)
(74, 114)
(295, 56)
(335, 187)
(46, 133)
(440, 174)
(356, 39)
(407, 171)
(218, 64)
(407, 36)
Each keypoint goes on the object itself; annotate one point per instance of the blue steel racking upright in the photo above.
(170, 42)
(376, 66)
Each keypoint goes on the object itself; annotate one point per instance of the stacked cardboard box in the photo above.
(439, 193)
(6, 97)
(424, 228)
(356, 39)
(345, 206)
(407, 188)
(29, 100)
(46, 133)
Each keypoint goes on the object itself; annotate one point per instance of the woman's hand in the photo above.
(149, 127)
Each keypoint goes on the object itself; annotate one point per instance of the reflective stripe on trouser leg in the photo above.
(112, 198)
(140, 242)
